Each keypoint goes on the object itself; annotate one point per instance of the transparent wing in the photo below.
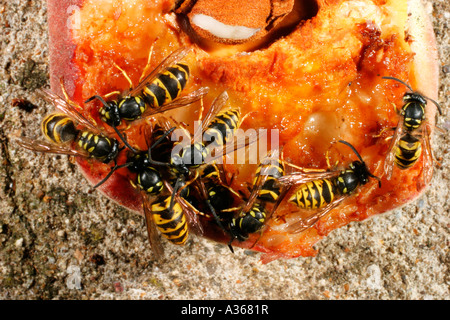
(192, 214)
(47, 147)
(298, 178)
(179, 102)
(68, 108)
(260, 179)
(215, 108)
(311, 220)
(152, 231)
(167, 125)
(427, 154)
(238, 143)
(171, 59)
(148, 134)
(389, 161)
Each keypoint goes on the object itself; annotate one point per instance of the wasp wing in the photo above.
(390, 157)
(177, 103)
(310, 221)
(152, 231)
(215, 108)
(297, 178)
(229, 148)
(171, 59)
(46, 147)
(68, 108)
(427, 154)
(192, 214)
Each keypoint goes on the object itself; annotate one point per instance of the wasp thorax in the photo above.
(178, 166)
(349, 179)
(413, 113)
(194, 155)
(131, 108)
(150, 180)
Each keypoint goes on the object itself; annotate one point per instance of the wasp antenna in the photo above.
(409, 87)
(157, 142)
(124, 140)
(353, 148)
(436, 104)
(398, 80)
(375, 177)
(98, 98)
(154, 162)
(116, 167)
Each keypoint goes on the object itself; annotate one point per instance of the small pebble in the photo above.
(19, 243)
(446, 68)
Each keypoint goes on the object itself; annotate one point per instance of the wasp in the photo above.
(411, 138)
(219, 126)
(265, 189)
(218, 192)
(169, 215)
(324, 190)
(61, 133)
(157, 92)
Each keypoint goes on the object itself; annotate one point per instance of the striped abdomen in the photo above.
(407, 151)
(172, 225)
(314, 194)
(167, 85)
(223, 127)
(271, 189)
(59, 128)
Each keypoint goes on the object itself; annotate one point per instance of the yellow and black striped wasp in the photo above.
(411, 138)
(157, 92)
(323, 191)
(170, 216)
(218, 191)
(253, 216)
(207, 144)
(60, 130)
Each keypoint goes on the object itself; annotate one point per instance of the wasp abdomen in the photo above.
(171, 224)
(223, 127)
(407, 151)
(167, 85)
(314, 194)
(59, 128)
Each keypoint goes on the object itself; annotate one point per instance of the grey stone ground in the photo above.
(59, 240)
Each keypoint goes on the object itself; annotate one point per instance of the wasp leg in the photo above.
(124, 74)
(116, 167)
(147, 66)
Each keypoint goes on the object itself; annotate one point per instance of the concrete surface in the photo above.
(60, 240)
